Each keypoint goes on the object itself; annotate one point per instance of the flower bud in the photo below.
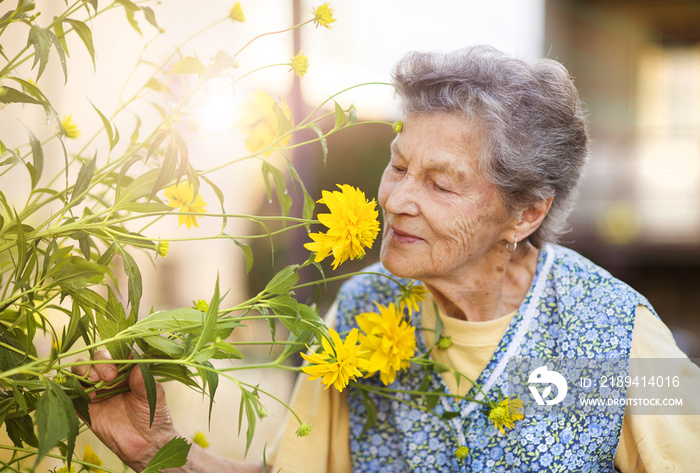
(162, 248)
(444, 343)
(304, 430)
(462, 452)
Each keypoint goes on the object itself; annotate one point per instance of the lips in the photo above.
(403, 236)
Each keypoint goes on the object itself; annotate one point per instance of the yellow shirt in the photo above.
(647, 443)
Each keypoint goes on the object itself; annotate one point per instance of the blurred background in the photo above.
(636, 64)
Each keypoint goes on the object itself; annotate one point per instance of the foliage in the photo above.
(79, 231)
(62, 252)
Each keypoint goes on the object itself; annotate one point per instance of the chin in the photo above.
(398, 265)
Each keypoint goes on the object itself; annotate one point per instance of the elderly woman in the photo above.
(479, 184)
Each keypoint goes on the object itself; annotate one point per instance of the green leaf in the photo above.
(10, 95)
(37, 158)
(165, 345)
(87, 171)
(110, 322)
(284, 281)
(150, 385)
(135, 283)
(283, 196)
(106, 257)
(339, 116)
(211, 378)
(61, 53)
(169, 371)
(85, 35)
(352, 115)
(138, 188)
(146, 207)
(284, 122)
(188, 65)
(248, 403)
(74, 273)
(21, 429)
(157, 85)
(248, 252)
(171, 455)
(210, 320)
(220, 196)
(227, 350)
(447, 415)
(55, 420)
(370, 409)
(79, 397)
(169, 169)
(39, 39)
(108, 127)
(9, 358)
(35, 92)
(21, 246)
(150, 16)
(309, 203)
(322, 139)
(130, 9)
(61, 35)
(184, 319)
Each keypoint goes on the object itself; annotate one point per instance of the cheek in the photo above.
(459, 228)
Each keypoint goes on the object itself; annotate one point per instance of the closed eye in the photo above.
(441, 188)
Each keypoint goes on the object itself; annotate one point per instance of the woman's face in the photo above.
(442, 217)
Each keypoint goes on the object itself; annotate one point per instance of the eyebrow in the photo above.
(438, 166)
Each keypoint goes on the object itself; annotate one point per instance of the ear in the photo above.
(531, 218)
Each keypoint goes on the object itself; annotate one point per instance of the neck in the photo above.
(495, 291)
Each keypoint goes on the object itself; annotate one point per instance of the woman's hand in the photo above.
(122, 421)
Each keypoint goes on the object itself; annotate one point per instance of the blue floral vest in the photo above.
(574, 309)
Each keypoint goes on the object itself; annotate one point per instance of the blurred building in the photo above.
(637, 67)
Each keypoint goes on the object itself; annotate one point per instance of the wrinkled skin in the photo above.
(446, 224)
(121, 422)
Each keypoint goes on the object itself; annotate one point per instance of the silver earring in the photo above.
(515, 246)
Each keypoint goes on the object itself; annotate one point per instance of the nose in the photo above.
(401, 197)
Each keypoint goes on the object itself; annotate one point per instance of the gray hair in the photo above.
(537, 143)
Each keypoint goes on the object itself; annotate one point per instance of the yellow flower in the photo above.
(323, 16)
(389, 341)
(300, 64)
(200, 439)
(462, 452)
(237, 13)
(182, 196)
(410, 296)
(506, 413)
(91, 457)
(202, 305)
(162, 248)
(352, 226)
(304, 430)
(339, 362)
(398, 126)
(259, 121)
(69, 128)
(65, 469)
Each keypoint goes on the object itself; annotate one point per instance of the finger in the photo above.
(137, 385)
(80, 370)
(105, 372)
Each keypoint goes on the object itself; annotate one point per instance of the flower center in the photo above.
(498, 413)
